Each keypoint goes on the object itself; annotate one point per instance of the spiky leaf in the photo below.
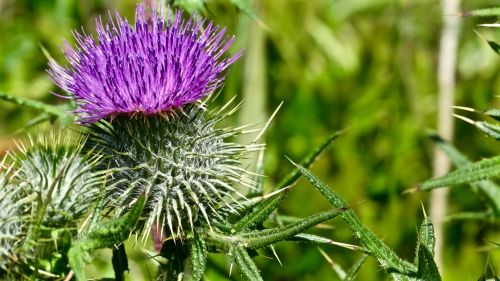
(104, 235)
(426, 235)
(373, 245)
(263, 208)
(58, 112)
(494, 46)
(354, 269)
(481, 170)
(246, 264)
(116, 230)
(427, 269)
(259, 213)
(198, 257)
(262, 238)
(490, 189)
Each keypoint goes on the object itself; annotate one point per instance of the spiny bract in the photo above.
(181, 161)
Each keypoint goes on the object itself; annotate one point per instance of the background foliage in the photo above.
(368, 64)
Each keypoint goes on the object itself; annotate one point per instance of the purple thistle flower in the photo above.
(156, 66)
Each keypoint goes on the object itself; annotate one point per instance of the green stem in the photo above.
(259, 239)
(49, 109)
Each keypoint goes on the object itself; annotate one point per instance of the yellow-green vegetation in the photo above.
(366, 65)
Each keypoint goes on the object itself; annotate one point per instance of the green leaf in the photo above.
(198, 257)
(259, 213)
(455, 156)
(115, 230)
(262, 238)
(427, 268)
(353, 270)
(427, 240)
(261, 208)
(311, 238)
(481, 170)
(373, 245)
(489, 12)
(426, 235)
(336, 267)
(306, 237)
(288, 180)
(104, 235)
(246, 264)
(490, 190)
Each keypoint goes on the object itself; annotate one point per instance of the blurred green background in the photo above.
(365, 64)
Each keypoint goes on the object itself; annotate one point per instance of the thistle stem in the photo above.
(49, 109)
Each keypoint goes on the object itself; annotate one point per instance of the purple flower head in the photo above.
(151, 68)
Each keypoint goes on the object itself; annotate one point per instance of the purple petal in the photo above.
(150, 68)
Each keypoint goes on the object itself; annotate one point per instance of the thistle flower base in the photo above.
(179, 160)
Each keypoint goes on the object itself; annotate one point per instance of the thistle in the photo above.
(141, 87)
